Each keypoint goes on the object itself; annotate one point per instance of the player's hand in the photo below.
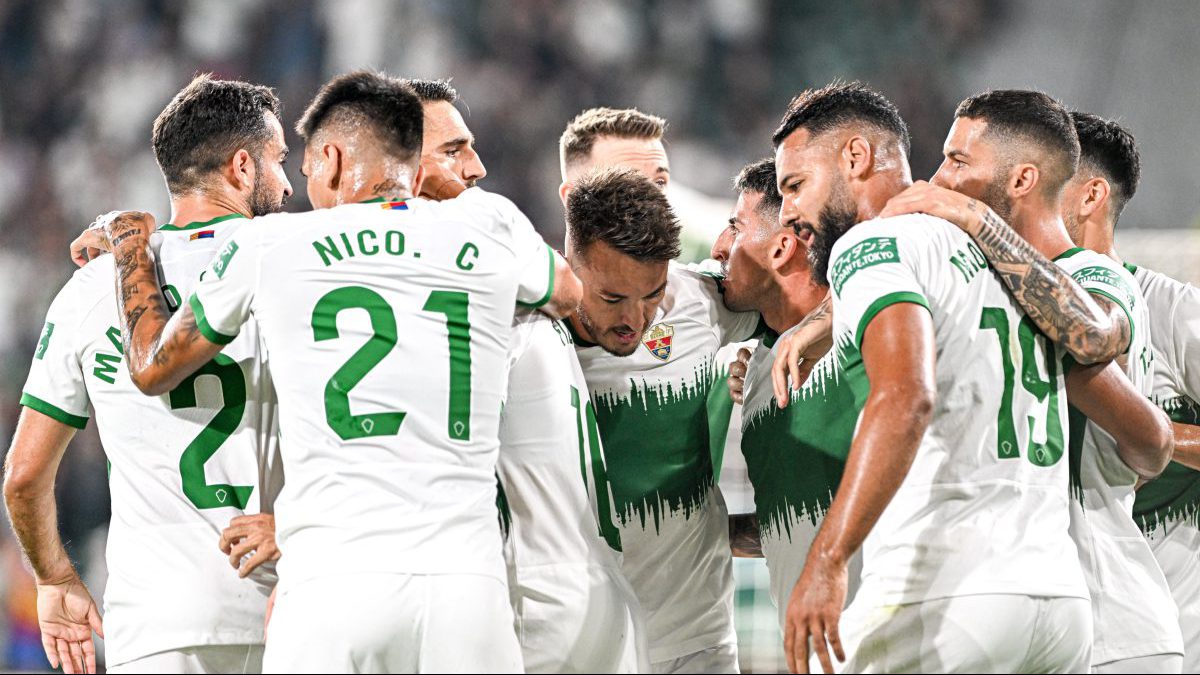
(927, 198)
(441, 181)
(67, 615)
(250, 534)
(813, 613)
(92, 242)
(795, 356)
(129, 228)
(737, 375)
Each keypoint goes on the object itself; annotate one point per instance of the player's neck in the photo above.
(377, 185)
(1098, 237)
(1043, 229)
(793, 298)
(199, 208)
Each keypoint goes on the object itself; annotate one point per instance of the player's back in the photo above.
(182, 465)
(387, 326)
(983, 509)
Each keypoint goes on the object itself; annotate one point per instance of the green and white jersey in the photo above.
(652, 411)
(182, 465)
(1133, 613)
(387, 326)
(1174, 308)
(795, 457)
(983, 509)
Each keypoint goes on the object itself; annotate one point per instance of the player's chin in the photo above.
(619, 347)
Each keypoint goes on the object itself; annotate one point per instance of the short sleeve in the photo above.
(221, 301)
(869, 273)
(1186, 342)
(535, 262)
(55, 386)
(1108, 283)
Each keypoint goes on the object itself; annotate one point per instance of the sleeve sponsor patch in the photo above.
(864, 254)
(1091, 277)
(223, 258)
(44, 341)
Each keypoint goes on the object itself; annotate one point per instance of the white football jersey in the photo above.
(651, 408)
(795, 457)
(182, 465)
(575, 611)
(387, 325)
(1133, 613)
(983, 509)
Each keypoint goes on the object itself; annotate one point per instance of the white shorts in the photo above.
(1175, 545)
(968, 634)
(578, 619)
(202, 659)
(719, 659)
(393, 623)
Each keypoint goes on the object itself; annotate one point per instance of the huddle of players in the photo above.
(955, 484)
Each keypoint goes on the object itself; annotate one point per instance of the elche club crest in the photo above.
(658, 340)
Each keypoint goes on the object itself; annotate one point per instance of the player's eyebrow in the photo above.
(455, 142)
(663, 169)
(658, 290)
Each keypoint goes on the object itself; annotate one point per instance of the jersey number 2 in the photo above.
(348, 426)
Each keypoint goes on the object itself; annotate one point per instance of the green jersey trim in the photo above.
(53, 411)
(195, 226)
(1131, 267)
(882, 303)
(1068, 253)
(1128, 314)
(212, 334)
(549, 284)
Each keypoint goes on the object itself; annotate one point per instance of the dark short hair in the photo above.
(205, 124)
(387, 104)
(580, 136)
(1109, 148)
(760, 177)
(837, 105)
(433, 90)
(623, 209)
(1020, 114)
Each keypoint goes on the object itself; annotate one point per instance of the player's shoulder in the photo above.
(477, 205)
(914, 230)
(694, 282)
(89, 287)
(1164, 291)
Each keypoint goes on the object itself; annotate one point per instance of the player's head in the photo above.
(1108, 175)
(221, 137)
(841, 152)
(1010, 148)
(361, 127)
(754, 247)
(447, 141)
(600, 138)
(621, 237)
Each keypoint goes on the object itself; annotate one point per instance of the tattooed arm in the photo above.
(744, 539)
(160, 349)
(1058, 306)
(797, 353)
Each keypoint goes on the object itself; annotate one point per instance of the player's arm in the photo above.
(744, 538)
(1058, 306)
(798, 352)
(898, 354)
(160, 349)
(1187, 445)
(67, 614)
(567, 290)
(1143, 433)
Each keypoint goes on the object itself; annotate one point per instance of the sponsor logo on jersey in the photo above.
(658, 340)
(203, 234)
(394, 206)
(864, 254)
(44, 341)
(223, 258)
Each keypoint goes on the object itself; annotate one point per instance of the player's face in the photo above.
(271, 186)
(449, 146)
(646, 156)
(972, 166)
(620, 296)
(1074, 194)
(743, 250)
(817, 203)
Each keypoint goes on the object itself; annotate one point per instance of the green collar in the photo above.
(579, 339)
(769, 337)
(1131, 267)
(1067, 253)
(194, 226)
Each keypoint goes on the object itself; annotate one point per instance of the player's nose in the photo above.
(473, 168)
(720, 247)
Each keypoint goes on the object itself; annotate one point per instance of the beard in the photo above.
(263, 201)
(598, 334)
(995, 195)
(839, 215)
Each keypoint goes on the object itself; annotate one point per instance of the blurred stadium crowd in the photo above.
(81, 81)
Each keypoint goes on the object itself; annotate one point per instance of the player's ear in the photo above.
(1023, 180)
(1095, 196)
(785, 246)
(857, 158)
(418, 179)
(563, 191)
(240, 170)
(332, 155)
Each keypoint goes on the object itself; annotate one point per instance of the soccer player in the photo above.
(182, 464)
(1016, 151)
(575, 612)
(387, 524)
(647, 333)
(967, 565)
(1109, 170)
(795, 455)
